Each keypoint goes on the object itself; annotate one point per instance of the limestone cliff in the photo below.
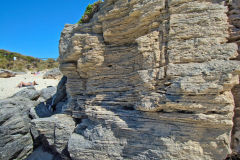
(152, 79)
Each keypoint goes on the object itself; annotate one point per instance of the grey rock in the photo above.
(47, 93)
(29, 92)
(115, 133)
(15, 138)
(54, 131)
(80, 147)
(15, 113)
(53, 74)
(51, 101)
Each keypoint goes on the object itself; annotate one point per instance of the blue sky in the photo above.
(33, 27)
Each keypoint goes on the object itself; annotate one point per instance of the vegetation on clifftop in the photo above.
(89, 12)
(23, 63)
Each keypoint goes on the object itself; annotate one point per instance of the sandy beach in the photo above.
(8, 86)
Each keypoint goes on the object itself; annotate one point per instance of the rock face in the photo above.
(151, 80)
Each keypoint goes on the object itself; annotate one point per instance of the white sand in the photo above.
(8, 86)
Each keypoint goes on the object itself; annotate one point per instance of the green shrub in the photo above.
(89, 12)
(24, 62)
(18, 66)
(3, 62)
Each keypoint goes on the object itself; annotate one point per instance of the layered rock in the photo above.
(151, 80)
(234, 19)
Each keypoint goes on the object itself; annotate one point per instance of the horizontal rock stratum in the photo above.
(151, 79)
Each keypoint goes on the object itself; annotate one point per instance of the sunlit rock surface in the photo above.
(151, 79)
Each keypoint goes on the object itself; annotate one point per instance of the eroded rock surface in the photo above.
(53, 131)
(15, 138)
(151, 80)
(16, 113)
(234, 19)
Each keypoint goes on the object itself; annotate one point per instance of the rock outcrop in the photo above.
(144, 79)
(151, 80)
(6, 73)
(18, 138)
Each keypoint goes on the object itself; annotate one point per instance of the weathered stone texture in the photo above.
(151, 80)
(53, 131)
(15, 138)
(234, 19)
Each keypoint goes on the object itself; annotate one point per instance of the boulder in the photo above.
(53, 131)
(53, 74)
(47, 93)
(47, 103)
(6, 73)
(29, 92)
(15, 137)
